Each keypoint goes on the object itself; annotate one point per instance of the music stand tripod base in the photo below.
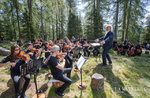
(81, 86)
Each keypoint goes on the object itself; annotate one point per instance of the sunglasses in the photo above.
(17, 49)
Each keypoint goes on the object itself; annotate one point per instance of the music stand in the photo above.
(96, 47)
(80, 63)
(32, 67)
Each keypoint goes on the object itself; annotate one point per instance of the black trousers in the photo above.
(67, 81)
(106, 55)
(86, 51)
(16, 80)
(69, 63)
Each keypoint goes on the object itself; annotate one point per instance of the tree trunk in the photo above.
(116, 20)
(128, 19)
(124, 18)
(31, 34)
(62, 24)
(56, 26)
(53, 32)
(13, 21)
(42, 27)
(17, 7)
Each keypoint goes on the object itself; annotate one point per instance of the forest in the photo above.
(55, 19)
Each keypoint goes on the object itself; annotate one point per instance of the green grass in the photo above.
(128, 77)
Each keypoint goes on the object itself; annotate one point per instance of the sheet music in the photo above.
(80, 62)
(95, 44)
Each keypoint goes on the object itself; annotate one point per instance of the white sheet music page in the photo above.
(80, 62)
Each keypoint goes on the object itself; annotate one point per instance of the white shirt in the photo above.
(106, 33)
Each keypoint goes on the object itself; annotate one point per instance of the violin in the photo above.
(61, 55)
(35, 50)
(49, 47)
(23, 56)
(68, 47)
(51, 44)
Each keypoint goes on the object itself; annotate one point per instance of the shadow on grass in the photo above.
(75, 77)
(51, 93)
(113, 80)
(98, 94)
(10, 92)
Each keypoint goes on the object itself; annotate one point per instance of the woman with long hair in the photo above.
(15, 70)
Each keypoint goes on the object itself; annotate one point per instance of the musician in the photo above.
(86, 48)
(132, 50)
(47, 49)
(138, 49)
(107, 42)
(15, 70)
(30, 51)
(58, 70)
(121, 49)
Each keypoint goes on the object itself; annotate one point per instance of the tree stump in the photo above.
(57, 84)
(97, 82)
(4, 52)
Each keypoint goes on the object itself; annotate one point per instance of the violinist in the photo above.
(121, 49)
(51, 43)
(58, 70)
(86, 48)
(47, 49)
(34, 53)
(15, 70)
(139, 49)
(37, 44)
(68, 58)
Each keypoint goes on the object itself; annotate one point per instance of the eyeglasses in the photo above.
(17, 49)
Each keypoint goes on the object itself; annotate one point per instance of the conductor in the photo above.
(107, 42)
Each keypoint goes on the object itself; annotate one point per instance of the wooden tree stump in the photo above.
(97, 82)
(57, 84)
(4, 52)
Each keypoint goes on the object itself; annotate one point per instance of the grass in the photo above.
(128, 77)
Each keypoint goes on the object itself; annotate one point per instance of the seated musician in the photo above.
(68, 58)
(138, 49)
(15, 70)
(37, 44)
(131, 51)
(122, 49)
(58, 70)
(31, 51)
(86, 48)
(46, 50)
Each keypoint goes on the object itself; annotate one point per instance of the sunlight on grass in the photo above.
(128, 77)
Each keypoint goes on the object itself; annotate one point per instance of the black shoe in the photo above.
(110, 63)
(59, 93)
(17, 95)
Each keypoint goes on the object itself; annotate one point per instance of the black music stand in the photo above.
(96, 49)
(80, 63)
(32, 67)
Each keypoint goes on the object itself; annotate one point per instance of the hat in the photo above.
(55, 48)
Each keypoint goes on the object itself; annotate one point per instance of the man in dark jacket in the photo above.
(107, 42)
